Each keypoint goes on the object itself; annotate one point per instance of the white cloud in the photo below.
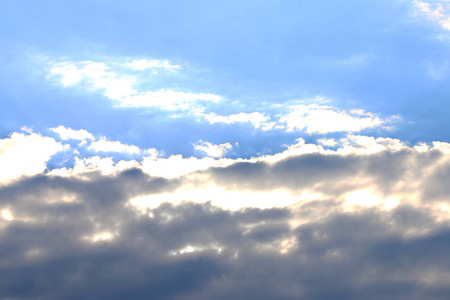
(257, 119)
(69, 133)
(97, 75)
(120, 86)
(103, 145)
(143, 64)
(25, 154)
(438, 11)
(176, 165)
(212, 149)
(103, 165)
(168, 99)
(323, 119)
(327, 142)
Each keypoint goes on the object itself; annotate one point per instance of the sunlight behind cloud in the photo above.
(224, 198)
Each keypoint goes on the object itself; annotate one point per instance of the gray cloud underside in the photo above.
(338, 174)
(364, 254)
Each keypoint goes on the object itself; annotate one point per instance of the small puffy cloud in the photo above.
(143, 64)
(324, 119)
(69, 133)
(25, 154)
(257, 119)
(212, 149)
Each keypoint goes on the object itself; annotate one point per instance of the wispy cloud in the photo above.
(438, 11)
(167, 99)
(120, 85)
(144, 64)
(257, 119)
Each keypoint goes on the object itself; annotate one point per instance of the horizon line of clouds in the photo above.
(359, 162)
(204, 177)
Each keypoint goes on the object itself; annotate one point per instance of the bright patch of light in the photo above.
(7, 215)
(23, 154)
(195, 248)
(100, 237)
(366, 198)
(98, 75)
(221, 197)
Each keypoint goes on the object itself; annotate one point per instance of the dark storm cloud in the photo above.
(367, 254)
(78, 237)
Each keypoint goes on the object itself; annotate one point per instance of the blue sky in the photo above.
(287, 123)
(385, 57)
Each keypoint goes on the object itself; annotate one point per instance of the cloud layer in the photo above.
(367, 220)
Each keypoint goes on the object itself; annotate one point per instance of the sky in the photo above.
(224, 150)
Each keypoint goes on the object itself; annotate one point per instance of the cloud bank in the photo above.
(367, 220)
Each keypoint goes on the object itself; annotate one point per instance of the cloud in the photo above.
(437, 11)
(97, 76)
(324, 119)
(311, 118)
(212, 149)
(121, 86)
(367, 219)
(103, 145)
(68, 133)
(82, 234)
(257, 119)
(25, 154)
(167, 99)
(143, 64)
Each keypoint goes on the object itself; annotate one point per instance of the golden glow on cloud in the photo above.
(7, 215)
(225, 198)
